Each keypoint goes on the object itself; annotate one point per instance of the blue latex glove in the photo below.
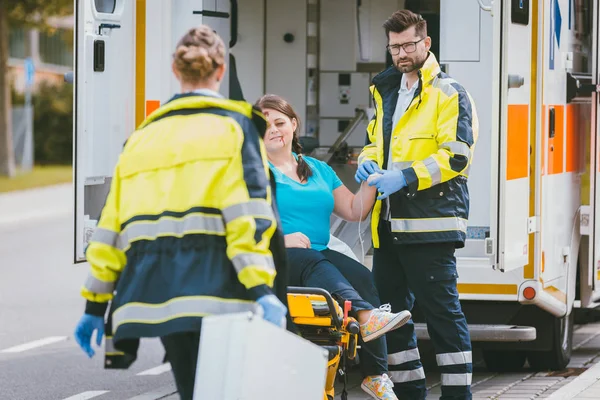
(274, 310)
(84, 330)
(365, 169)
(388, 183)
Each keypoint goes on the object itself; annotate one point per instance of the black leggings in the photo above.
(345, 279)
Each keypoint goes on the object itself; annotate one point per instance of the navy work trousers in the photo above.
(427, 273)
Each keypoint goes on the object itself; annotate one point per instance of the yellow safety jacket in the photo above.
(432, 144)
(187, 227)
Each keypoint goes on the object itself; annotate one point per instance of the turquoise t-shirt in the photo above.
(307, 207)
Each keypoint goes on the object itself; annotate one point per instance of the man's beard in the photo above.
(412, 66)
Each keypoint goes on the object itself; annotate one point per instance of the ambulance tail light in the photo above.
(529, 293)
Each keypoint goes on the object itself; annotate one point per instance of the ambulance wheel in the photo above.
(503, 360)
(559, 356)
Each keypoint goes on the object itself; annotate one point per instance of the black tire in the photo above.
(559, 356)
(504, 361)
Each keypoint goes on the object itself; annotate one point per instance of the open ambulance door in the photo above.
(123, 72)
(516, 139)
(590, 282)
(104, 104)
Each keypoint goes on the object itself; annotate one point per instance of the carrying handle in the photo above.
(234, 24)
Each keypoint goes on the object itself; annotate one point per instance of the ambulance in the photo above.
(531, 258)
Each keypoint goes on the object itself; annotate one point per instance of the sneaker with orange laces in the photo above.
(379, 387)
(381, 321)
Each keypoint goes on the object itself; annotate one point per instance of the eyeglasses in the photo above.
(409, 47)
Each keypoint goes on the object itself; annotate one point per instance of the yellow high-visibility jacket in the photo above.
(433, 145)
(187, 227)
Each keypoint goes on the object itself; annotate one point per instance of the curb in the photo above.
(577, 385)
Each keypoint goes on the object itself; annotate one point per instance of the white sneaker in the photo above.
(379, 387)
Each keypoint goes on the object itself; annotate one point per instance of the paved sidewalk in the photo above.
(585, 387)
(30, 205)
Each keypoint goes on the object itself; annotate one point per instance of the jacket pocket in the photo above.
(421, 135)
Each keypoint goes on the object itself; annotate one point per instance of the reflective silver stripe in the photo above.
(109, 346)
(461, 357)
(457, 379)
(169, 226)
(434, 170)
(253, 208)
(97, 286)
(242, 261)
(403, 357)
(105, 236)
(458, 148)
(192, 306)
(429, 225)
(399, 166)
(445, 85)
(407, 376)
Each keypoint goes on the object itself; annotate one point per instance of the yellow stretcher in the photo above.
(321, 320)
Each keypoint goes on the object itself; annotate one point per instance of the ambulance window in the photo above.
(105, 6)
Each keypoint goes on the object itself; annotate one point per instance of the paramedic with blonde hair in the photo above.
(188, 228)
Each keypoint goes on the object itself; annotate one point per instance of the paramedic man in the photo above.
(421, 141)
(188, 224)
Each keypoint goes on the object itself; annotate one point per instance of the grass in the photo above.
(38, 177)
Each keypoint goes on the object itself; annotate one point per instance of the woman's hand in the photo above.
(298, 240)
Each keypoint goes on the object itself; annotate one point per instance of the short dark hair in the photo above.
(405, 19)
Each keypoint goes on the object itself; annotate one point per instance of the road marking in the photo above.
(34, 344)
(160, 393)
(87, 395)
(161, 369)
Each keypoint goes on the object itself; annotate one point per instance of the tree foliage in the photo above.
(14, 14)
(35, 13)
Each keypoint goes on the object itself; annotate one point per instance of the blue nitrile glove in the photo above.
(274, 310)
(84, 330)
(365, 169)
(388, 183)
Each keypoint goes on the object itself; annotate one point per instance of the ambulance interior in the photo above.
(321, 56)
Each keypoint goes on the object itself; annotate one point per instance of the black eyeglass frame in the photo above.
(397, 47)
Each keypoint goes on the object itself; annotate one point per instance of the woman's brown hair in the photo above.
(278, 103)
(198, 54)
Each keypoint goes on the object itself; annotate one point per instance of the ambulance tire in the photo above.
(504, 361)
(559, 356)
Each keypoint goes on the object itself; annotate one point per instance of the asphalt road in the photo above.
(39, 307)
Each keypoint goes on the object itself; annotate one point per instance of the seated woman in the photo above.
(308, 191)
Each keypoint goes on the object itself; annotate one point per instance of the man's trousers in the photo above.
(426, 273)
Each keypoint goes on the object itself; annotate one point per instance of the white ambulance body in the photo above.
(530, 65)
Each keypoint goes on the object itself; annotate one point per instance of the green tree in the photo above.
(15, 13)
